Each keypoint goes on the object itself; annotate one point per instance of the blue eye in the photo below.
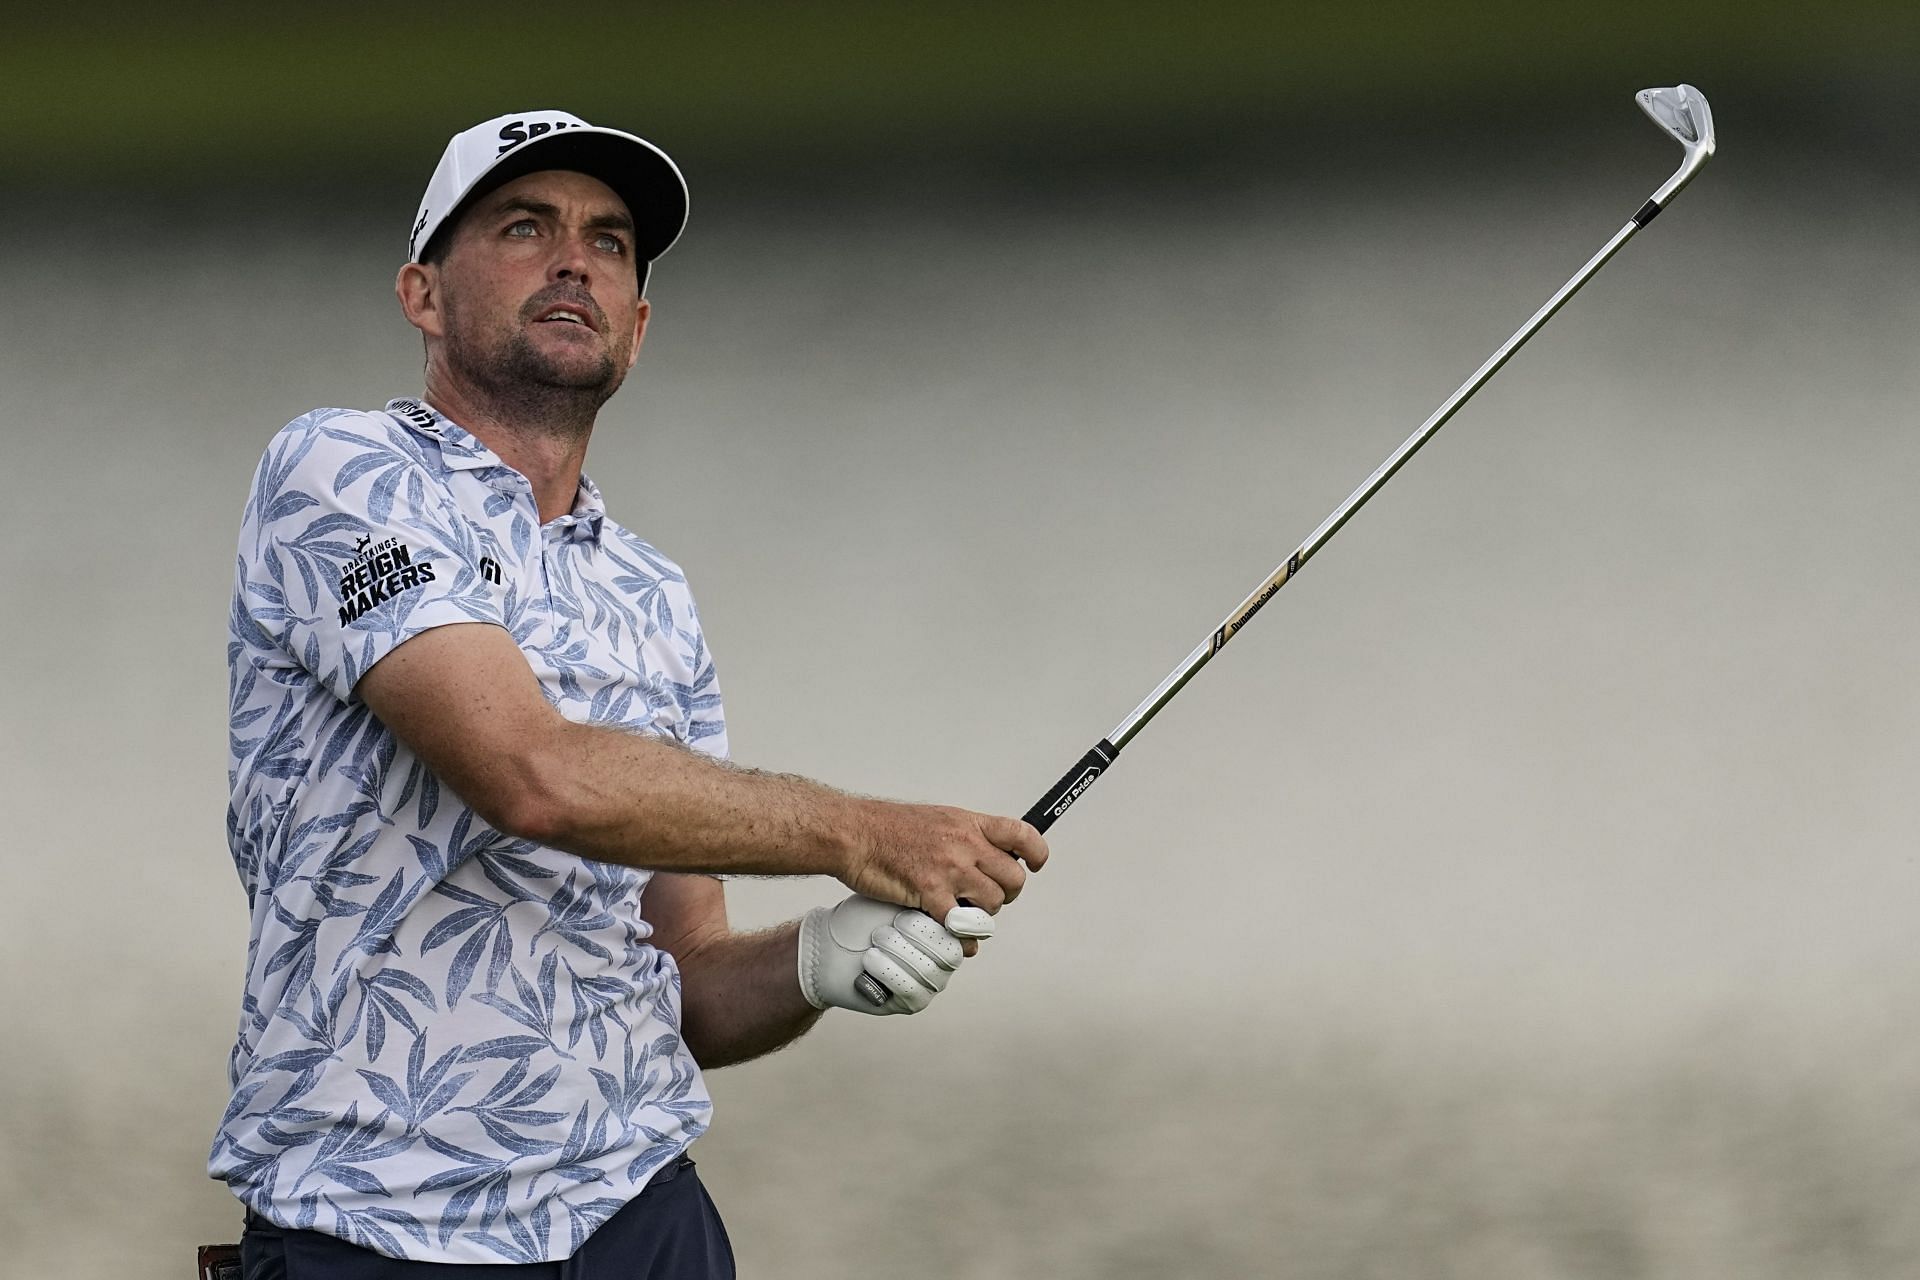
(612, 244)
(525, 225)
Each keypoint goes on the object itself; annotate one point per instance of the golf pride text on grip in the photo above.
(1072, 785)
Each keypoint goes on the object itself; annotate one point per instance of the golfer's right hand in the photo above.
(932, 858)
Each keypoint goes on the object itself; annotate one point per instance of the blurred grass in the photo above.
(255, 95)
(1721, 1154)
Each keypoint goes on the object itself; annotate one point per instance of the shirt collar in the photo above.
(461, 450)
(582, 524)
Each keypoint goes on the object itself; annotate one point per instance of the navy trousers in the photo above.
(670, 1231)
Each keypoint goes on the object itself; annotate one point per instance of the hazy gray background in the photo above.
(1529, 894)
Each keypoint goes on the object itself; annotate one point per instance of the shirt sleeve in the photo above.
(351, 544)
(703, 717)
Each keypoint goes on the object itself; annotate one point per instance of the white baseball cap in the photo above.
(489, 155)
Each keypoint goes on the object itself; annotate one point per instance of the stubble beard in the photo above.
(529, 387)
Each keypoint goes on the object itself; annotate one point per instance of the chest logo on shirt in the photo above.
(490, 570)
(379, 572)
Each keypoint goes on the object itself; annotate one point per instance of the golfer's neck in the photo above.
(550, 454)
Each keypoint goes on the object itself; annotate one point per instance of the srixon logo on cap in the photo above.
(515, 132)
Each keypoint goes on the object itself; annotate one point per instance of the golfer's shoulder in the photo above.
(334, 460)
(338, 431)
(641, 561)
(335, 446)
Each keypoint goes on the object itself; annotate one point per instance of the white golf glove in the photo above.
(905, 951)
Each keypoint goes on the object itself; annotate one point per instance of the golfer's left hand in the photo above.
(907, 952)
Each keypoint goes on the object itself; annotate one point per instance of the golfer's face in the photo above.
(545, 265)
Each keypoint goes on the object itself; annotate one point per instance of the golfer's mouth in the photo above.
(567, 313)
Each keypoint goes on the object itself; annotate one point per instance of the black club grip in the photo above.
(1072, 785)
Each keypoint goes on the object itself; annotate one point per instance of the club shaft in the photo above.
(1074, 783)
(1683, 113)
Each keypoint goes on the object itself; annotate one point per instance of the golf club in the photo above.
(1680, 110)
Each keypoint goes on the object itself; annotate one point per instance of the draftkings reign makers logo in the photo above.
(377, 574)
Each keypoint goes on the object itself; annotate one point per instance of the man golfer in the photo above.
(479, 803)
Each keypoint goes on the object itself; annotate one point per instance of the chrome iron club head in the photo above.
(1682, 111)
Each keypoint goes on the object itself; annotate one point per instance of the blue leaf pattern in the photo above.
(454, 1045)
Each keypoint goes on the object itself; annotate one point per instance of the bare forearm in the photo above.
(463, 697)
(643, 801)
(740, 997)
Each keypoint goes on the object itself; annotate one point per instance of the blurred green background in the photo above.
(228, 94)
(1530, 894)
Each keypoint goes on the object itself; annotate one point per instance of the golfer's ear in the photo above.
(639, 330)
(418, 288)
